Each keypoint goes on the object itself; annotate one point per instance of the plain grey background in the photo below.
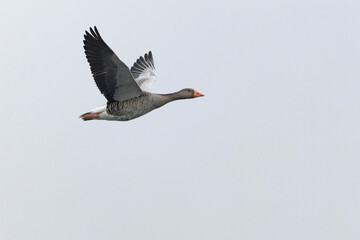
(271, 151)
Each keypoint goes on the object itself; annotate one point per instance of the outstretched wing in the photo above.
(112, 76)
(143, 71)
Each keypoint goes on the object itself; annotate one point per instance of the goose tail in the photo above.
(94, 114)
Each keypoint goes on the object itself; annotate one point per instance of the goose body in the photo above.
(127, 91)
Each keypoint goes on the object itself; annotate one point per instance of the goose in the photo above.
(127, 91)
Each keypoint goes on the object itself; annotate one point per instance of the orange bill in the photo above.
(197, 94)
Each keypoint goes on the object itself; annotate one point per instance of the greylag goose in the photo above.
(126, 91)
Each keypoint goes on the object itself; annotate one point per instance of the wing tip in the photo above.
(94, 33)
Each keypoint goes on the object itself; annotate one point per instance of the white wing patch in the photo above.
(143, 72)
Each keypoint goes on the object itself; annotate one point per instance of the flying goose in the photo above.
(126, 91)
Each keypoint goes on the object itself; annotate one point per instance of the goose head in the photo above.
(189, 93)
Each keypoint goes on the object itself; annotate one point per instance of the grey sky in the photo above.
(271, 151)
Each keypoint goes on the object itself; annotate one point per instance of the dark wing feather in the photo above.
(112, 76)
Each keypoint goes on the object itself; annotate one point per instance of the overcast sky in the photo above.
(271, 152)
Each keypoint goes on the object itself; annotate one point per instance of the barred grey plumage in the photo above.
(145, 103)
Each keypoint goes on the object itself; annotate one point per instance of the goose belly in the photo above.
(119, 111)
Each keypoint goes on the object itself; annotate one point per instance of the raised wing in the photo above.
(143, 71)
(112, 76)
